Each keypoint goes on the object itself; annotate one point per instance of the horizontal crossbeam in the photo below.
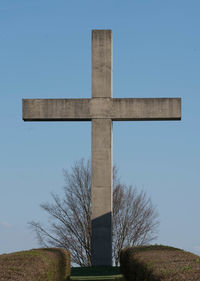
(144, 109)
(124, 109)
(56, 109)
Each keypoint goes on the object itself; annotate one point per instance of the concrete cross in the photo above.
(102, 109)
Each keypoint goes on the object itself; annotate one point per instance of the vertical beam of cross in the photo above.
(101, 244)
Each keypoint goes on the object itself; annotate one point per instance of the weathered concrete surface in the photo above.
(101, 192)
(137, 109)
(101, 243)
(102, 63)
(56, 109)
(102, 158)
(130, 109)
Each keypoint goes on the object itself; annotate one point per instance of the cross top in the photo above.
(102, 109)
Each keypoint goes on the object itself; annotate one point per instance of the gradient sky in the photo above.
(45, 52)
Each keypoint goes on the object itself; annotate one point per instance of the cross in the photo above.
(102, 109)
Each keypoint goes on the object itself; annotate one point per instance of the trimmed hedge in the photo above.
(159, 263)
(133, 268)
(50, 264)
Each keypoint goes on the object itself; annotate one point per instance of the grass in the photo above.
(96, 273)
(35, 265)
(159, 263)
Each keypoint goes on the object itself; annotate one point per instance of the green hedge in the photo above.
(50, 264)
(133, 268)
(159, 263)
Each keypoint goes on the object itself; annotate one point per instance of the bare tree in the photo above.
(135, 220)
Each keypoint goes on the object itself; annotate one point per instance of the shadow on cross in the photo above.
(101, 242)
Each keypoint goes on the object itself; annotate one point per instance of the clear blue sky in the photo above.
(45, 52)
